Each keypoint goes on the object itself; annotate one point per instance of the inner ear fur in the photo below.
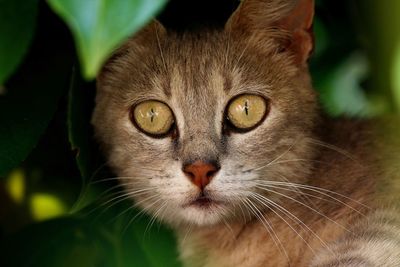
(289, 21)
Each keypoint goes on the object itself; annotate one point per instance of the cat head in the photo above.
(196, 124)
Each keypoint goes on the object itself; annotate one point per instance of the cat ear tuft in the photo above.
(291, 19)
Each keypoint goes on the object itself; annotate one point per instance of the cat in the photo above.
(219, 134)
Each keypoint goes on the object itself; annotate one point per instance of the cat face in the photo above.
(195, 124)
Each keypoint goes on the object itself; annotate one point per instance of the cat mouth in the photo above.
(203, 202)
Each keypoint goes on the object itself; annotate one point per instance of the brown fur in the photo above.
(263, 50)
(251, 245)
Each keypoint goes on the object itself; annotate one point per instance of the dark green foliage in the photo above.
(101, 239)
(17, 25)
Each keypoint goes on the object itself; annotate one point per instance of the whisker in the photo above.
(111, 179)
(332, 147)
(99, 198)
(154, 171)
(133, 205)
(275, 159)
(268, 227)
(98, 170)
(259, 198)
(299, 193)
(295, 219)
(227, 225)
(142, 211)
(118, 199)
(109, 192)
(244, 216)
(321, 191)
(292, 160)
(304, 195)
(127, 195)
(308, 207)
(189, 229)
(284, 153)
(154, 217)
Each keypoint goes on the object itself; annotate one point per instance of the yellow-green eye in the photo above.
(246, 111)
(153, 117)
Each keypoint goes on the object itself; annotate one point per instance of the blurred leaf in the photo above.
(61, 242)
(78, 124)
(46, 206)
(16, 185)
(99, 26)
(321, 37)
(157, 242)
(26, 110)
(380, 24)
(17, 25)
(31, 98)
(396, 76)
(108, 240)
(79, 135)
(341, 91)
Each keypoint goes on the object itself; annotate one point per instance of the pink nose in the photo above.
(200, 173)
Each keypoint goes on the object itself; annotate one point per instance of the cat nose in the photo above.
(200, 173)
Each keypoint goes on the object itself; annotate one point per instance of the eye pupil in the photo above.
(246, 108)
(152, 114)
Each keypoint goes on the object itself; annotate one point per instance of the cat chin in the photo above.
(202, 216)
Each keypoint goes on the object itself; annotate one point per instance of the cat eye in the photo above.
(246, 111)
(152, 117)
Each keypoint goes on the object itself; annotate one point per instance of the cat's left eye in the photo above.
(246, 111)
(153, 117)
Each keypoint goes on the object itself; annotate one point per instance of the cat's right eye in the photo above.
(152, 117)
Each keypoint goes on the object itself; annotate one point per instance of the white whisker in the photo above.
(321, 191)
(142, 211)
(332, 147)
(154, 216)
(294, 218)
(308, 207)
(260, 199)
(256, 212)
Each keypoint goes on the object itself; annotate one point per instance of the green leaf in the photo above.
(23, 120)
(341, 92)
(17, 25)
(62, 242)
(80, 101)
(31, 98)
(103, 239)
(27, 108)
(99, 26)
(157, 242)
(78, 124)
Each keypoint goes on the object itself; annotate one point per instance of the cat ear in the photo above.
(148, 36)
(152, 31)
(291, 19)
